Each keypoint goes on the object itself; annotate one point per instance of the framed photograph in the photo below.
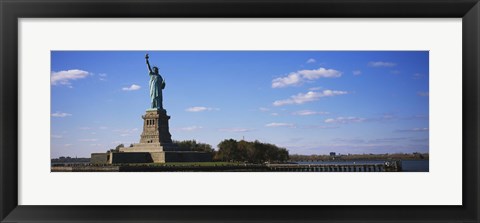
(188, 127)
(174, 111)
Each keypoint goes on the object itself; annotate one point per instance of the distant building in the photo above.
(333, 154)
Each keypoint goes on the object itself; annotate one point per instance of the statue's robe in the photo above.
(156, 82)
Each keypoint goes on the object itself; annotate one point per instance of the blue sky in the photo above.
(310, 102)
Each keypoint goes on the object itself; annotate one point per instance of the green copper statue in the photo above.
(157, 84)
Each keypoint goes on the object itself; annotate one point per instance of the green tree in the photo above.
(252, 152)
(192, 145)
(226, 150)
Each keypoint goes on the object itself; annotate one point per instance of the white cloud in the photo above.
(423, 94)
(344, 120)
(65, 76)
(191, 128)
(126, 132)
(315, 88)
(274, 114)
(413, 130)
(320, 127)
(279, 124)
(311, 60)
(88, 140)
(298, 77)
(102, 77)
(381, 64)
(200, 109)
(262, 109)
(67, 145)
(357, 72)
(84, 128)
(132, 87)
(412, 117)
(308, 97)
(56, 136)
(309, 112)
(371, 142)
(419, 140)
(236, 130)
(60, 114)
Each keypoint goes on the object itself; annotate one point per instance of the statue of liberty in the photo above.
(157, 84)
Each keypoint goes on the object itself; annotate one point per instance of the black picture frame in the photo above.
(12, 10)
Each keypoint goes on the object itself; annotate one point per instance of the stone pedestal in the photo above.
(156, 135)
(155, 127)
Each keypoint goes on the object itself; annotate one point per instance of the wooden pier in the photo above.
(392, 166)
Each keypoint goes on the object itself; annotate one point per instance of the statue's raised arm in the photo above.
(148, 64)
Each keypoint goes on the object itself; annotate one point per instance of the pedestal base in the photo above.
(151, 147)
(150, 157)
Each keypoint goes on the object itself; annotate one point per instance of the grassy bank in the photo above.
(187, 164)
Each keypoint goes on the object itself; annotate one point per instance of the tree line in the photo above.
(231, 150)
(193, 145)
